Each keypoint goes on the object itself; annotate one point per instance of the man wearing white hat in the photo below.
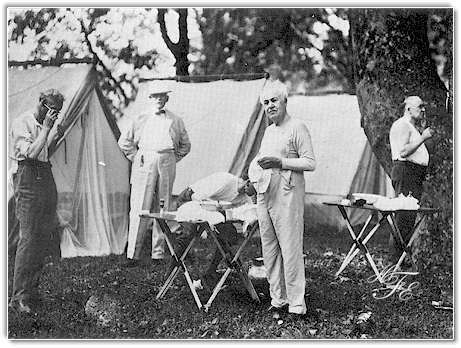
(410, 159)
(278, 176)
(154, 143)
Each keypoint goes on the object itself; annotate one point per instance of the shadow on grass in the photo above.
(67, 285)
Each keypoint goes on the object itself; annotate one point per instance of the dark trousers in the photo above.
(35, 198)
(227, 236)
(13, 228)
(406, 178)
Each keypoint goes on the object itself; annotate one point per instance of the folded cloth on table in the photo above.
(245, 213)
(192, 211)
(401, 202)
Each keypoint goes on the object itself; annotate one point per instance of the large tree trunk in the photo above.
(392, 61)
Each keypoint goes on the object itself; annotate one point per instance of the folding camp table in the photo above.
(233, 262)
(360, 240)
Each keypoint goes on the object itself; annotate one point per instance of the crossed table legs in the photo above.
(362, 238)
(232, 262)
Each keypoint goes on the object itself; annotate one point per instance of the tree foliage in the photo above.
(307, 43)
(124, 42)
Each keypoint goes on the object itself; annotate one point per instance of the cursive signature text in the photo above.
(394, 281)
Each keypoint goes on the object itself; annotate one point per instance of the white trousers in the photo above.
(281, 222)
(152, 179)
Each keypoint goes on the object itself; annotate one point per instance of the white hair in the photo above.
(274, 88)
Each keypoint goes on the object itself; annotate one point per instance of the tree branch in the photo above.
(108, 73)
(161, 20)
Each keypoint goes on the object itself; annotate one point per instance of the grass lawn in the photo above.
(67, 285)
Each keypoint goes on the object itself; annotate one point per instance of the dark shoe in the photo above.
(311, 314)
(20, 306)
(156, 262)
(132, 263)
(273, 309)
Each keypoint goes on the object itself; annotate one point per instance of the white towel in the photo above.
(192, 212)
(258, 176)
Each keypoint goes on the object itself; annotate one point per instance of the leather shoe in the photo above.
(273, 309)
(20, 306)
(156, 262)
(309, 315)
(132, 263)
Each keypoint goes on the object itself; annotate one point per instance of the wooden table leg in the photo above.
(398, 236)
(359, 245)
(179, 263)
(353, 248)
(233, 264)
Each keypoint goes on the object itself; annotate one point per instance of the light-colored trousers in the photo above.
(152, 179)
(280, 213)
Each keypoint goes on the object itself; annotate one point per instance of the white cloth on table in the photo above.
(192, 211)
(246, 213)
(401, 202)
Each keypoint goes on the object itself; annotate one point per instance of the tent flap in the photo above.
(90, 172)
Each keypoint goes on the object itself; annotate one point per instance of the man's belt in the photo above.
(157, 151)
(409, 163)
(34, 163)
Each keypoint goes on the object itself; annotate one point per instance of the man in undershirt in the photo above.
(410, 159)
(285, 154)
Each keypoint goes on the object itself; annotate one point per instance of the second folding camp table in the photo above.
(233, 262)
(360, 240)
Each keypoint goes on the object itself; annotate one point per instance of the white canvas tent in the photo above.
(345, 161)
(225, 123)
(90, 171)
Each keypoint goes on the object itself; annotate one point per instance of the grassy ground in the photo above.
(67, 285)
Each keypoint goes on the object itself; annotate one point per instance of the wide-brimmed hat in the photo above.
(156, 91)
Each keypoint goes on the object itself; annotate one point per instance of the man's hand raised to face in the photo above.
(427, 133)
(270, 162)
(50, 118)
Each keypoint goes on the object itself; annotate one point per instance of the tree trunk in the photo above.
(392, 61)
(180, 49)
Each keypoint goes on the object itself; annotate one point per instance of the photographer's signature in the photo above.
(394, 281)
